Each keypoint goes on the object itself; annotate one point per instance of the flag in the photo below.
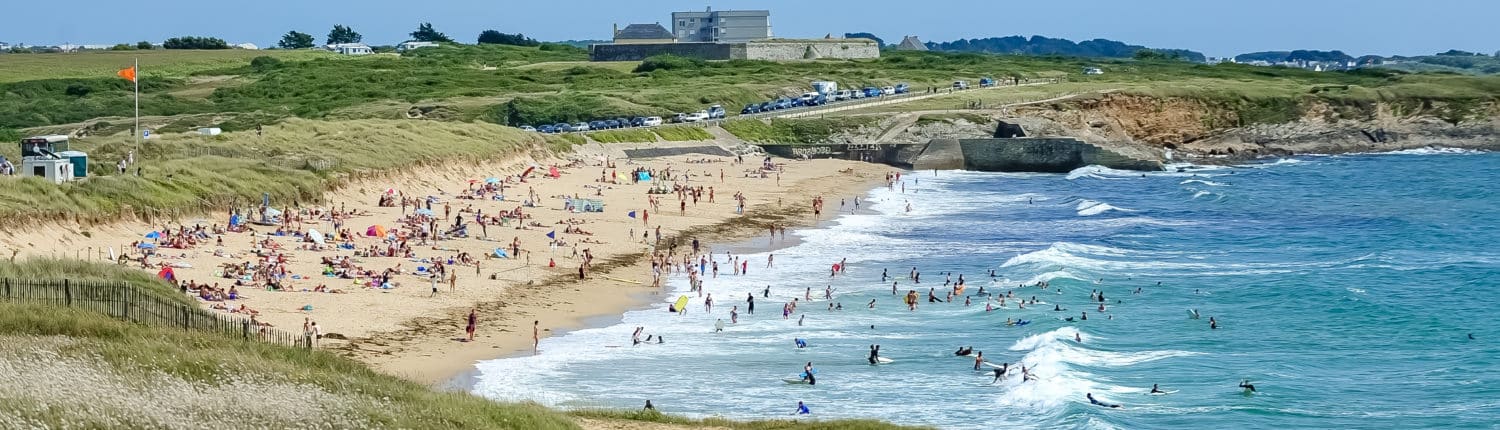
(631, 214)
(128, 73)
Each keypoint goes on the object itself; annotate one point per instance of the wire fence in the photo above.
(127, 303)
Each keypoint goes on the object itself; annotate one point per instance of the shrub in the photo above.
(265, 63)
(78, 90)
(669, 62)
(195, 42)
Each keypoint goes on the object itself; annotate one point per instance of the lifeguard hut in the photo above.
(49, 157)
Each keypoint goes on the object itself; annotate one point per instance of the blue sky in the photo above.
(1214, 27)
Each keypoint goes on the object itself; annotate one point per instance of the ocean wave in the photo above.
(1091, 208)
(1100, 172)
(1204, 182)
(1202, 193)
(1431, 150)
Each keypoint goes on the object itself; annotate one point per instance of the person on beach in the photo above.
(473, 322)
(708, 303)
(536, 335)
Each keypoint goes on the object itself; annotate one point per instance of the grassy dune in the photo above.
(77, 270)
(156, 62)
(298, 160)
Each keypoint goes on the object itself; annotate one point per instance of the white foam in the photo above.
(1202, 193)
(1204, 182)
(1091, 208)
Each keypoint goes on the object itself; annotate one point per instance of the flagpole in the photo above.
(137, 81)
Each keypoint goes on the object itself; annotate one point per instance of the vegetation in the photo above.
(343, 34)
(78, 270)
(194, 42)
(1039, 45)
(295, 40)
(425, 33)
(298, 160)
(498, 38)
(683, 134)
(877, 40)
(623, 136)
(801, 130)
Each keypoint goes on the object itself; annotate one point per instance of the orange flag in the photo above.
(128, 74)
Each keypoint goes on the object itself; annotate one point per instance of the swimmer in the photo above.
(1471, 336)
(1077, 338)
(872, 303)
(1097, 402)
(1213, 324)
(1249, 388)
(802, 409)
(801, 343)
(978, 359)
(962, 351)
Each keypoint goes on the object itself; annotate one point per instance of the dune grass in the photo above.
(798, 130)
(154, 63)
(75, 369)
(78, 270)
(190, 174)
(683, 134)
(623, 136)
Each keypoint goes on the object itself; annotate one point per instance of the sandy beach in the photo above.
(406, 330)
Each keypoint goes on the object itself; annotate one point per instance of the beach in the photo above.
(408, 331)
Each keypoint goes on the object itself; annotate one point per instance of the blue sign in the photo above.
(146, 134)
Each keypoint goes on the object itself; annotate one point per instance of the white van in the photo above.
(651, 121)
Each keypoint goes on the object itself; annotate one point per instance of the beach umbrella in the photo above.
(492, 180)
(424, 211)
(528, 171)
(500, 252)
(375, 231)
(315, 236)
(153, 235)
(144, 245)
(167, 273)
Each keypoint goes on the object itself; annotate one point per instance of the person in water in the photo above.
(1249, 388)
(1213, 324)
(1097, 402)
(801, 343)
(978, 359)
(874, 354)
(807, 374)
(1156, 390)
(1000, 373)
(802, 409)
(962, 351)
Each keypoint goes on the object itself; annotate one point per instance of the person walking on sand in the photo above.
(452, 281)
(473, 322)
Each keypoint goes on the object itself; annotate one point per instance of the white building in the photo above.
(4, 46)
(351, 48)
(410, 45)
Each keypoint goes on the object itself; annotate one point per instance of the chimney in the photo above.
(616, 33)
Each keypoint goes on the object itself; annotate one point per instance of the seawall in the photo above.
(1046, 155)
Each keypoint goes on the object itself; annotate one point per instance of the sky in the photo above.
(1213, 27)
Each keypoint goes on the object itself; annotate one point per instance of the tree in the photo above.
(342, 34)
(194, 42)
(880, 42)
(122, 47)
(498, 38)
(144, 45)
(1149, 55)
(425, 33)
(296, 40)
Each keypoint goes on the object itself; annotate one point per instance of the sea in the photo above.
(1353, 291)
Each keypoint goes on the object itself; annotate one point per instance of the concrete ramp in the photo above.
(940, 154)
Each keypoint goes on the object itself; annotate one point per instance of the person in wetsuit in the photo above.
(874, 354)
(1249, 388)
(1097, 402)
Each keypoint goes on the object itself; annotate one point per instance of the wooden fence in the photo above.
(127, 303)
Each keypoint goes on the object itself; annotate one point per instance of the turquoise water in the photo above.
(1346, 288)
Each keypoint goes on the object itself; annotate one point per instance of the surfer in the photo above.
(962, 351)
(884, 273)
(1097, 402)
(1213, 324)
(1155, 390)
(1249, 388)
(802, 409)
(874, 354)
(1194, 313)
(978, 359)
(750, 304)
(635, 338)
(1471, 336)
(1000, 373)
(807, 374)
(872, 303)
(801, 343)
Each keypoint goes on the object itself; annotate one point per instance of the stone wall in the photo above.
(1050, 155)
(794, 50)
(638, 52)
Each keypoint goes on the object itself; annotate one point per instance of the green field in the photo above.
(154, 63)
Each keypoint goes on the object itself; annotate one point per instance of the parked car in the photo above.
(623, 122)
(856, 94)
(596, 125)
(546, 129)
(528, 128)
(960, 85)
(701, 115)
(766, 107)
(651, 121)
(582, 126)
(808, 97)
(639, 121)
(888, 90)
(563, 127)
(612, 124)
(716, 112)
(844, 95)
(679, 118)
(750, 109)
(903, 88)
(872, 92)
(787, 103)
(986, 82)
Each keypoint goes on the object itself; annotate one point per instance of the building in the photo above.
(637, 34)
(351, 48)
(911, 43)
(413, 44)
(769, 50)
(4, 46)
(728, 26)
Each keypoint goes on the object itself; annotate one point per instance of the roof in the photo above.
(911, 43)
(644, 31)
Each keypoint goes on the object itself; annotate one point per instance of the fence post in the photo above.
(126, 310)
(7, 287)
(245, 333)
(67, 293)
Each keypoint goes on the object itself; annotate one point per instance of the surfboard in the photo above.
(681, 304)
(1163, 393)
(793, 381)
(622, 280)
(883, 360)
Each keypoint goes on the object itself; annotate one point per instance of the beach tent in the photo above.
(631, 214)
(500, 252)
(375, 231)
(492, 180)
(153, 235)
(234, 220)
(167, 273)
(527, 172)
(315, 236)
(643, 176)
(424, 211)
(552, 171)
(622, 176)
(144, 245)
